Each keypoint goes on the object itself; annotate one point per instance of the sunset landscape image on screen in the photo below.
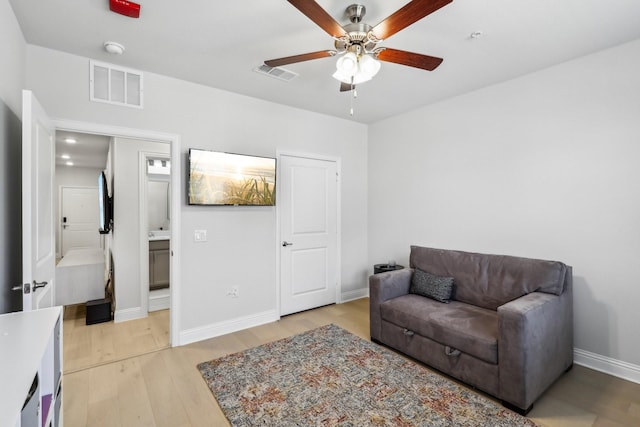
(231, 179)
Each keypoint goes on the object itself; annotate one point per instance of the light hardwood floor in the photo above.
(164, 388)
(93, 345)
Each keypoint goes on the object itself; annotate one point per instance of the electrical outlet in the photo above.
(234, 292)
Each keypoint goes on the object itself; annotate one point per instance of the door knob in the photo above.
(285, 243)
(37, 285)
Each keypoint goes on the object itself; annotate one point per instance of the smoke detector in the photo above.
(114, 48)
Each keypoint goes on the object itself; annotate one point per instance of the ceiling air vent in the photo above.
(276, 73)
(115, 85)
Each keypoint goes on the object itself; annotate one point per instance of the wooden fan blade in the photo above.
(345, 87)
(299, 58)
(408, 14)
(318, 15)
(411, 59)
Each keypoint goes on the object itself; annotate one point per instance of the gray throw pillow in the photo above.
(431, 286)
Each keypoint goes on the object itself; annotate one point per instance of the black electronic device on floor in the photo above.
(98, 311)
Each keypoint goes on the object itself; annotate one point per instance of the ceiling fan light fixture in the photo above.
(351, 80)
(355, 43)
(352, 69)
(369, 65)
(347, 65)
(339, 76)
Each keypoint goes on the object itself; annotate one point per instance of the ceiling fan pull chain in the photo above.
(353, 95)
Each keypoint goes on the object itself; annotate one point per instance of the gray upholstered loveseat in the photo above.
(507, 329)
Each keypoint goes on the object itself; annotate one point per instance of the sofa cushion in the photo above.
(470, 329)
(431, 286)
(490, 281)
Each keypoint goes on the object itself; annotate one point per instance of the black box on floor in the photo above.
(98, 311)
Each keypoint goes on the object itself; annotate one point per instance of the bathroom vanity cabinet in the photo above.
(158, 264)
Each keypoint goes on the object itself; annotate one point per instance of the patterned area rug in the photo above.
(330, 377)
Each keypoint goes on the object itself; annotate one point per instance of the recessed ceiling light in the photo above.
(114, 48)
(70, 140)
(65, 156)
(69, 163)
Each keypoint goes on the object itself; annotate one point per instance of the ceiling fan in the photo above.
(356, 43)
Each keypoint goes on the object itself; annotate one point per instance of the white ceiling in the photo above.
(89, 151)
(219, 43)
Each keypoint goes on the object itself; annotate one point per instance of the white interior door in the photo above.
(38, 239)
(308, 229)
(80, 218)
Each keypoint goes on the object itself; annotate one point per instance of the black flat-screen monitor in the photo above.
(106, 205)
(217, 178)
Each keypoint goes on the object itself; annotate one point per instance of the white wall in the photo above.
(75, 176)
(242, 242)
(129, 276)
(543, 166)
(12, 59)
(12, 80)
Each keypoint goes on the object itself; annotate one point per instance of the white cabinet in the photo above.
(31, 368)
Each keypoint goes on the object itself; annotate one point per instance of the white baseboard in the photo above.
(353, 295)
(159, 300)
(214, 330)
(159, 303)
(617, 368)
(128, 314)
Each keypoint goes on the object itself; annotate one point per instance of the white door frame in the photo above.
(337, 160)
(176, 192)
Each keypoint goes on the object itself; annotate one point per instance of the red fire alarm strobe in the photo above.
(126, 8)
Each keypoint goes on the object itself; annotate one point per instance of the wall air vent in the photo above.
(276, 72)
(115, 85)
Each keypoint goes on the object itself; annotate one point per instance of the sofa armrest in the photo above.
(535, 344)
(383, 287)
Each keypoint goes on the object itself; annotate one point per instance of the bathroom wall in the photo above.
(158, 205)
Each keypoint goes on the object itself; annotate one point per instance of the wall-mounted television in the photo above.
(222, 179)
(105, 205)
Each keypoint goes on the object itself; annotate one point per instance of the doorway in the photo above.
(155, 217)
(309, 233)
(126, 335)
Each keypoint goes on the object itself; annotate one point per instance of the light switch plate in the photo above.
(200, 236)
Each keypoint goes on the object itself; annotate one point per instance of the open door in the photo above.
(38, 239)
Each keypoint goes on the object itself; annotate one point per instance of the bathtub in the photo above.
(80, 277)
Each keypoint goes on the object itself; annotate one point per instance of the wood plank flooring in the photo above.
(93, 345)
(164, 388)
